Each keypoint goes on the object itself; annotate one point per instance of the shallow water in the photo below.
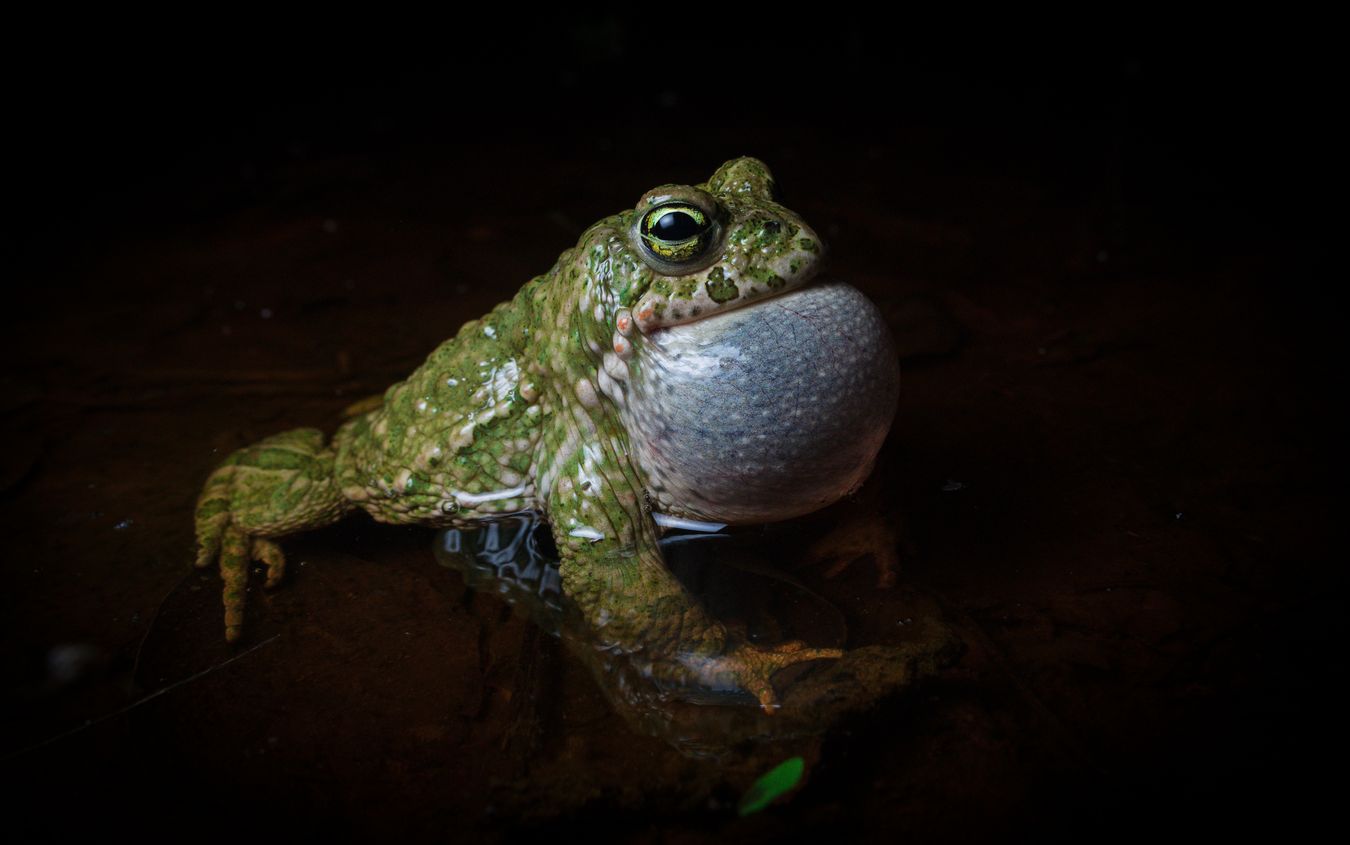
(1106, 472)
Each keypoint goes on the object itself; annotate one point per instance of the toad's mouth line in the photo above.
(747, 304)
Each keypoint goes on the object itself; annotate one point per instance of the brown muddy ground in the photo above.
(1109, 468)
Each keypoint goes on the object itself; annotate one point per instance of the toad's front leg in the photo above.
(634, 605)
(278, 486)
(612, 569)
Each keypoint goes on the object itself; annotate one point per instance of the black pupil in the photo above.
(676, 226)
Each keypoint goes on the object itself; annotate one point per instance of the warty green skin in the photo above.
(521, 410)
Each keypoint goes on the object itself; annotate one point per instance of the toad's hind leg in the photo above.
(279, 486)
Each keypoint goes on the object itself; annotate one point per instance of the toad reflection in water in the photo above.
(514, 558)
(681, 363)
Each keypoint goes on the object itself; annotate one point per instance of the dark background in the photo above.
(1218, 126)
(1122, 229)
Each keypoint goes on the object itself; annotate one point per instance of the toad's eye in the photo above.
(676, 232)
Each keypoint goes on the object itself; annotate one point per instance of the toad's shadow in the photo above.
(515, 558)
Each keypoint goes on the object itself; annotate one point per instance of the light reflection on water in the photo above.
(515, 558)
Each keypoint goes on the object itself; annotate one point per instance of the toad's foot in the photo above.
(236, 549)
(751, 668)
(281, 485)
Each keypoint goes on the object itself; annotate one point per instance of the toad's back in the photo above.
(454, 442)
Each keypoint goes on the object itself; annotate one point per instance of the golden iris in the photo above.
(677, 232)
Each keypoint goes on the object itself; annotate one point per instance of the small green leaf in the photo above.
(777, 781)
